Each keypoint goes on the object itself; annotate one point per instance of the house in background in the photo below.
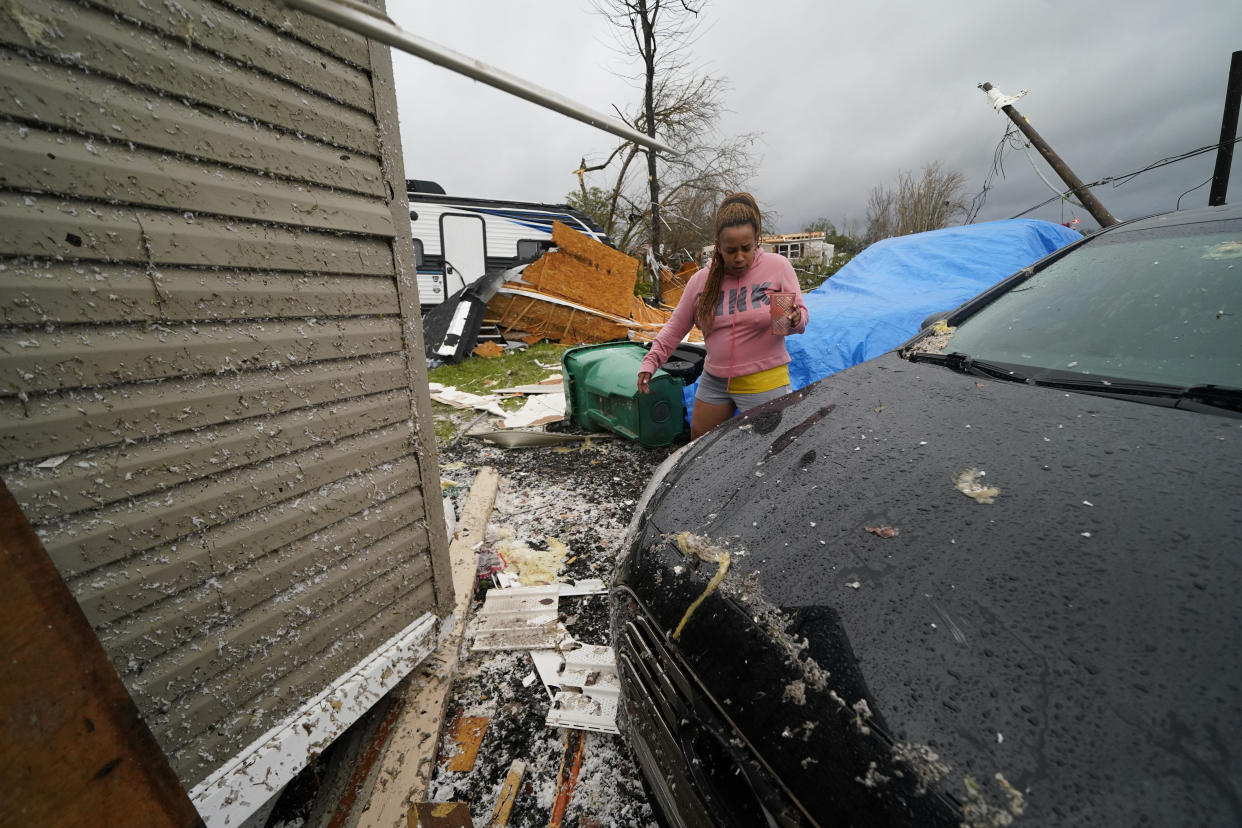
(793, 246)
(799, 246)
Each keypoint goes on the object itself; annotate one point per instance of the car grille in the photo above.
(702, 763)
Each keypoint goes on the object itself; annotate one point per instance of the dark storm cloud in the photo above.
(846, 95)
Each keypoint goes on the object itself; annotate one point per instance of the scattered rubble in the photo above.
(580, 291)
(584, 504)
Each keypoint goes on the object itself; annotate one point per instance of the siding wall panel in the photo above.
(64, 423)
(86, 541)
(99, 168)
(184, 615)
(160, 464)
(215, 28)
(237, 552)
(36, 293)
(58, 228)
(291, 23)
(104, 43)
(212, 388)
(82, 356)
(305, 615)
(250, 717)
(36, 92)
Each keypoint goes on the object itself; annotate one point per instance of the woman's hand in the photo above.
(644, 382)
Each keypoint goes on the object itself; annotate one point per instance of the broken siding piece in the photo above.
(519, 618)
(583, 684)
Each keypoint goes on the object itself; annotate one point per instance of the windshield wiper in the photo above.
(1215, 396)
(966, 364)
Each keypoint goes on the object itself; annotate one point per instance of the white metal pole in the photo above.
(371, 24)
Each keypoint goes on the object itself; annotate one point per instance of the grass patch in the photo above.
(482, 376)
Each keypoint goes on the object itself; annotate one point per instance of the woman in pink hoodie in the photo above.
(747, 363)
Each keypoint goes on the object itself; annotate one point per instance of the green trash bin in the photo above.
(601, 392)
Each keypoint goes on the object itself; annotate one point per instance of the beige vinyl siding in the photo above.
(212, 393)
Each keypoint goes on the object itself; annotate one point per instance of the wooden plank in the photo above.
(94, 168)
(97, 477)
(104, 43)
(73, 749)
(508, 795)
(269, 541)
(218, 29)
(79, 357)
(409, 757)
(461, 743)
(440, 815)
(114, 533)
(69, 229)
(68, 422)
(42, 93)
(325, 36)
(39, 292)
(567, 777)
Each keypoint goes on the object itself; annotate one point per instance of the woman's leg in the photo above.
(707, 416)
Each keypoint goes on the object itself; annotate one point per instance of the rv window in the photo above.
(530, 249)
(418, 252)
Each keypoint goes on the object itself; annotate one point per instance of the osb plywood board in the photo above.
(556, 322)
(585, 271)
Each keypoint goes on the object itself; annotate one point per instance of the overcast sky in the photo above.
(845, 95)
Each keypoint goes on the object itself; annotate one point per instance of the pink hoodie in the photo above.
(741, 342)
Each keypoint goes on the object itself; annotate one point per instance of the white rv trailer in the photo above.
(458, 239)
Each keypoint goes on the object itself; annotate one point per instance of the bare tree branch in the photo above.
(934, 200)
(672, 205)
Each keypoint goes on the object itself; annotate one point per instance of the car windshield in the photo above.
(1161, 305)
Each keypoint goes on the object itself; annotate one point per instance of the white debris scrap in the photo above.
(449, 395)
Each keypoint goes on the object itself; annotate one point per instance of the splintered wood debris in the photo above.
(508, 795)
(461, 743)
(581, 291)
(543, 497)
(440, 815)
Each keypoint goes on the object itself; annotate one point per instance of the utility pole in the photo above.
(1098, 211)
(1228, 132)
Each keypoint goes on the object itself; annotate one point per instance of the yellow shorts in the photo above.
(760, 381)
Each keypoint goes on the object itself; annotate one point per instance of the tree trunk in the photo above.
(647, 15)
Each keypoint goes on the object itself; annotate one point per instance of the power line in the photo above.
(1188, 192)
(1126, 178)
(1008, 141)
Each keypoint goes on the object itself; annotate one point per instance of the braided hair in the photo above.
(735, 210)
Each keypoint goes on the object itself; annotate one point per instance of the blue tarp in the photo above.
(878, 299)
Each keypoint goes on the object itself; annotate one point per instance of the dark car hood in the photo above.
(1063, 655)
